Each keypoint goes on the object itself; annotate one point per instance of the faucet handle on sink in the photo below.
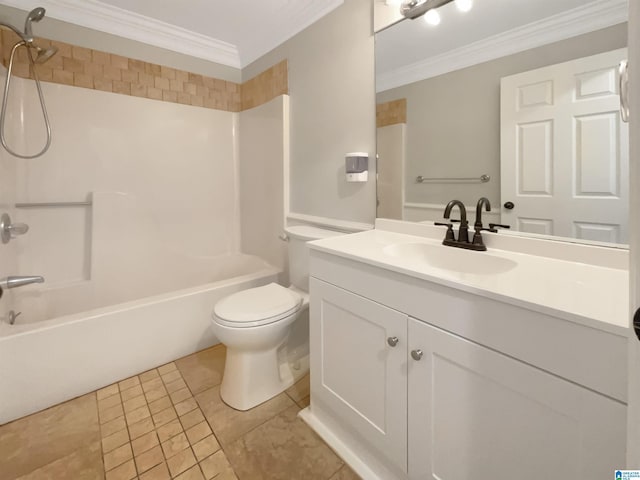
(449, 235)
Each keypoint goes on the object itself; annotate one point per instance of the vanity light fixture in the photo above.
(432, 17)
(464, 5)
(413, 9)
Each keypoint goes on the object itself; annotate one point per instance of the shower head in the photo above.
(43, 54)
(34, 15)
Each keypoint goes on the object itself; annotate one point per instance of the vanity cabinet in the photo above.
(414, 401)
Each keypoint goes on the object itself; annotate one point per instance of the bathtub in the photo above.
(68, 342)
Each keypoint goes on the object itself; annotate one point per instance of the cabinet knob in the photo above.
(392, 341)
(417, 354)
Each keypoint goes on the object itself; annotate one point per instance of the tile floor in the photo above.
(169, 423)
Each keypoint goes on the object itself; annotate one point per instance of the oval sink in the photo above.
(450, 258)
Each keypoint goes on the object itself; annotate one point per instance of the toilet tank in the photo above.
(299, 235)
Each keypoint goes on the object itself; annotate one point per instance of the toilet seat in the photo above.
(258, 306)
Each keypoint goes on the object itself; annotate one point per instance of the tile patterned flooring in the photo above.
(169, 423)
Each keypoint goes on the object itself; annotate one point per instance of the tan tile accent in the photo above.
(175, 385)
(126, 471)
(115, 440)
(263, 87)
(110, 413)
(141, 427)
(131, 393)
(149, 459)
(144, 443)
(193, 473)
(107, 391)
(391, 113)
(205, 447)
(175, 445)
(186, 406)
(192, 418)
(169, 367)
(117, 456)
(150, 375)
(181, 462)
(215, 465)
(198, 432)
(164, 417)
(159, 405)
(180, 395)
(152, 384)
(134, 403)
(165, 432)
(128, 383)
(159, 472)
(112, 426)
(137, 415)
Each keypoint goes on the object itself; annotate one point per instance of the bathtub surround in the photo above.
(166, 422)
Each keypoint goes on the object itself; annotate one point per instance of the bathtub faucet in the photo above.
(17, 281)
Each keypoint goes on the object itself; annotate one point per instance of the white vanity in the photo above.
(432, 362)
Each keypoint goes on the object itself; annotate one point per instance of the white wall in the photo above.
(263, 180)
(331, 84)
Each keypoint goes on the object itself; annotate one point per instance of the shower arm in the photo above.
(22, 36)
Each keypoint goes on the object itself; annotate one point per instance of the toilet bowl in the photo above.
(255, 325)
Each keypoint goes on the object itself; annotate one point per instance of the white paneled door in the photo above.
(564, 150)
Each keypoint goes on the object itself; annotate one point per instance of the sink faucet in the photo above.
(483, 202)
(463, 232)
(463, 236)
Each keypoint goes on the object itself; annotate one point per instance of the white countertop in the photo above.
(590, 294)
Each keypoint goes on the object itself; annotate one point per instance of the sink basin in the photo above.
(450, 258)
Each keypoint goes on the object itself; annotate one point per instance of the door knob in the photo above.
(509, 205)
(392, 341)
(417, 354)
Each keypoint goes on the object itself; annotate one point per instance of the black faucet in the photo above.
(463, 232)
(463, 235)
(483, 202)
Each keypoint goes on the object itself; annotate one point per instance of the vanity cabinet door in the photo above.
(358, 365)
(475, 413)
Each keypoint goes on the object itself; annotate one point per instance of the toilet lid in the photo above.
(258, 306)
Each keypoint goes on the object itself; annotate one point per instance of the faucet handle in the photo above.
(449, 235)
(494, 225)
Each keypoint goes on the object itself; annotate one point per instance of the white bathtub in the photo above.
(45, 361)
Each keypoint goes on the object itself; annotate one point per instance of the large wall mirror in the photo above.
(513, 100)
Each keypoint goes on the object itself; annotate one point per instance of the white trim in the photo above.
(123, 23)
(341, 225)
(332, 439)
(578, 21)
(127, 24)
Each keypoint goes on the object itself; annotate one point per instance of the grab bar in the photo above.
(54, 204)
(482, 179)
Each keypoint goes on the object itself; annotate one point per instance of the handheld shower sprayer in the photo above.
(42, 55)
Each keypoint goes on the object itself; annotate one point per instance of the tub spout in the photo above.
(17, 281)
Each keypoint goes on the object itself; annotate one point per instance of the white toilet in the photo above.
(256, 326)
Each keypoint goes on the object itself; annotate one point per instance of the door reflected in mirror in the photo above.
(516, 101)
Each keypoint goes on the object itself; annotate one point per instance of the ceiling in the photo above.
(233, 33)
(505, 25)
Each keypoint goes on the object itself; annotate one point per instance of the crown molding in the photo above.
(301, 20)
(123, 23)
(588, 18)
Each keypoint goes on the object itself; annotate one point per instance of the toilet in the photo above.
(266, 353)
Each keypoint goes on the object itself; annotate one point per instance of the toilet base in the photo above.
(253, 378)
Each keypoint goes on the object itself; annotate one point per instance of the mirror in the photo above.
(513, 100)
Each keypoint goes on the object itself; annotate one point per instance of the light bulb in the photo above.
(464, 5)
(432, 17)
